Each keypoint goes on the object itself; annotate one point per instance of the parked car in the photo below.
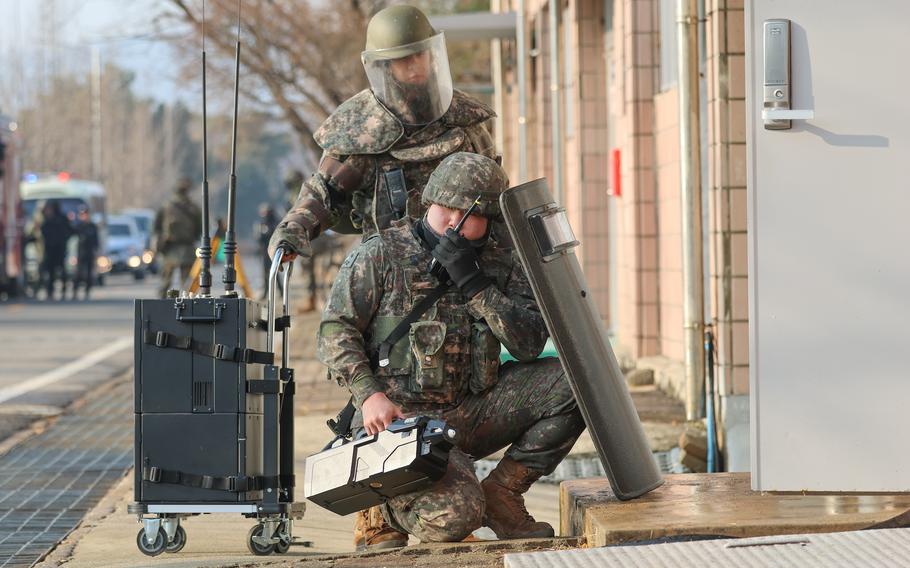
(125, 246)
(145, 218)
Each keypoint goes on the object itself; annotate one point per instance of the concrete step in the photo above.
(720, 504)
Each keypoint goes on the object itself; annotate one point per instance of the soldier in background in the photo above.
(86, 252)
(266, 224)
(448, 365)
(55, 234)
(178, 227)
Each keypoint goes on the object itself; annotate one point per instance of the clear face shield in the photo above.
(413, 81)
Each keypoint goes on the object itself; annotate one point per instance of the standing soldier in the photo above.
(380, 146)
(178, 227)
(55, 234)
(86, 252)
(268, 220)
(447, 363)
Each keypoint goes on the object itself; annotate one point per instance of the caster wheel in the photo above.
(155, 548)
(179, 541)
(255, 547)
(282, 546)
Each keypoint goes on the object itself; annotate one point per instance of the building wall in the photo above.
(630, 111)
(727, 182)
(583, 124)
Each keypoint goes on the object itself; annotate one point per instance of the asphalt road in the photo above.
(53, 352)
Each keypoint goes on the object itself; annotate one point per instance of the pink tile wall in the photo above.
(727, 182)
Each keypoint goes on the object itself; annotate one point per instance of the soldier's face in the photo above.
(442, 218)
(413, 69)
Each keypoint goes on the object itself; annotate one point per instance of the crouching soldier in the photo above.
(447, 364)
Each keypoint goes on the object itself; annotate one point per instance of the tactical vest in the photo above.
(447, 352)
(369, 156)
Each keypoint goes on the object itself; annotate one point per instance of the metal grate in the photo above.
(579, 467)
(50, 481)
(858, 549)
(202, 396)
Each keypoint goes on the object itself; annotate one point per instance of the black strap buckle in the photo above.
(206, 482)
(223, 353)
(153, 474)
(282, 323)
(247, 356)
(161, 339)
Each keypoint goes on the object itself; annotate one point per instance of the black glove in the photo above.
(459, 258)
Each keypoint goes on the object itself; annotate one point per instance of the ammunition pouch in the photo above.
(485, 351)
(427, 339)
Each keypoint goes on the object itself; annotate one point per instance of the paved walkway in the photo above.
(50, 481)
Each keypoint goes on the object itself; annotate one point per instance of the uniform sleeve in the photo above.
(311, 211)
(319, 205)
(481, 140)
(513, 314)
(353, 301)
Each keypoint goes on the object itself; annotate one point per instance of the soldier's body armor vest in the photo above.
(393, 165)
(447, 352)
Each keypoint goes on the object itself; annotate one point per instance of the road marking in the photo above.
(67, 370)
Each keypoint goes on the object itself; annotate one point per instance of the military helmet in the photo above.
(463, 177)
(393, 31)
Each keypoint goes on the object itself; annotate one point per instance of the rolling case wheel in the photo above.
(179, 541)
(255, 547)
(282, 546)
(155, 548)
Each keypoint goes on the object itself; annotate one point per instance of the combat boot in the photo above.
(506, 513)
(372, 532)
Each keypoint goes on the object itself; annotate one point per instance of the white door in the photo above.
(829, 250)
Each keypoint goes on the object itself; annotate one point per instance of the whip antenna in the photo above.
(205, 251)
(230, 238)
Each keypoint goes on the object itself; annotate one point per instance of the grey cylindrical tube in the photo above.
(545, 244)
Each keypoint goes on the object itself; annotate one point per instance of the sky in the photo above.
(124, 31)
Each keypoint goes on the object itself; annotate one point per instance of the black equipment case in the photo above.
(214, 417)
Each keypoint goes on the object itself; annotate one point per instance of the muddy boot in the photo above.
(309, 305)
(506, 513)
(372, 532)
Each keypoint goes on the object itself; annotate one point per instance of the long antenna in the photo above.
(230, 241)
(205, 251)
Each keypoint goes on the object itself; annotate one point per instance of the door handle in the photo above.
(786, 114)
(776, 90)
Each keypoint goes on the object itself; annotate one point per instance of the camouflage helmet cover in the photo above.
(464, 176)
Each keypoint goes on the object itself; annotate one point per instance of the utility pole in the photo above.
(97, 172)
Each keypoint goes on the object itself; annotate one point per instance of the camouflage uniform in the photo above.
(448, 366)
(362, 142)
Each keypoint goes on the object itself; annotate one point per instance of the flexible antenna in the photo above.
(230, 242)
(205, 251)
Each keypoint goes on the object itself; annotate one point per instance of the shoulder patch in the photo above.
(360, 125)
(465, 110)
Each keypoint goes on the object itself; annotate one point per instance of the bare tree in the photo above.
(301, 57)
